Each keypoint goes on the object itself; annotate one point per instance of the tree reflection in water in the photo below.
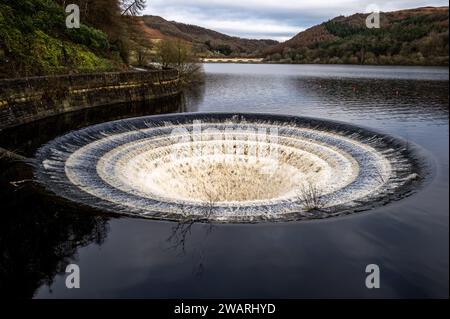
(182, 230)
(39, 234)
(39, 237)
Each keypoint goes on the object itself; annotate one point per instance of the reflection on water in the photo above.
(179, 240)
(39, 235)
(290, 90)
(38, 239)
(27, 138)
(387, 99)
(408, 239)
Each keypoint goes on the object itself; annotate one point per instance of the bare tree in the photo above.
(179, 55)
(183, 227)
(310, 197)
(379, 176)
(133, 7)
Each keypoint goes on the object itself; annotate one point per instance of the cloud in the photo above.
(264, 19)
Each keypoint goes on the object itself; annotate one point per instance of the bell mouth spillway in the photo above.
(228, 167)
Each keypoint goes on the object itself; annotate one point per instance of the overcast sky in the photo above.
(268, 19)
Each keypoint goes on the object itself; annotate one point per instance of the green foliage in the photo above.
(180, 56)
(90, 37)
(35, 41)
(342, 29)
(53, 56)
(420, 38)
(224, 49)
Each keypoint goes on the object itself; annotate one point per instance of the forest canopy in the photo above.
(408, 37)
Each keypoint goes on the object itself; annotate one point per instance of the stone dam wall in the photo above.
(29, 99)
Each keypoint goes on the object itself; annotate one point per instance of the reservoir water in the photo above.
(128, 258)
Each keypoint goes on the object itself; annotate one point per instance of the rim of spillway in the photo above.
(229, 167)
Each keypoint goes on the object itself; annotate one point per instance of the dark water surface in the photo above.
(140, 258)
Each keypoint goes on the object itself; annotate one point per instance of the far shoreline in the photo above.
(242, 61)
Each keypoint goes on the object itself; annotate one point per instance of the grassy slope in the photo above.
(205, 41)
(416, 36)
(35, 41)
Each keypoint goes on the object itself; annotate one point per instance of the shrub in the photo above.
(35, 41)
(310, 197)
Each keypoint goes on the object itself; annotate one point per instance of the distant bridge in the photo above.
(232, 60)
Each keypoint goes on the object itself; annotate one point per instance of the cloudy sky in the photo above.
(268, 19)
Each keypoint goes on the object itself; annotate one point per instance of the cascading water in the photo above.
(228, 167)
